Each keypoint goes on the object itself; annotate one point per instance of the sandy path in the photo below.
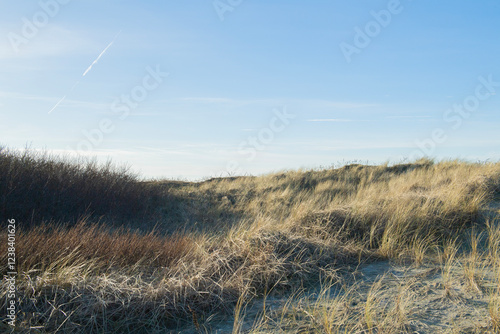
(438, 298)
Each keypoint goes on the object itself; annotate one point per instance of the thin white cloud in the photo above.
(55, 41)
(98, 153)
(68, 102)
(407, 117)
(338, 120)
(145, 114)
(163, 151)
(310, 103)
(208, 99)
(21, 96)
(362, 146)
(336, 104)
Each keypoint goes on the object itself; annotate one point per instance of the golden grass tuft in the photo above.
(40, 247)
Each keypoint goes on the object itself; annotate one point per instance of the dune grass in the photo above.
(205, 249)
(37, 186)
(406, 303)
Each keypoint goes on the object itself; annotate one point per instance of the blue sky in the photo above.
(192, 89)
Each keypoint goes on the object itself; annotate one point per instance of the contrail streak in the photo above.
(100, 55)
(87, 70)
(57, 104)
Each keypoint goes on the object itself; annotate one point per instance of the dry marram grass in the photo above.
(206, 249)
